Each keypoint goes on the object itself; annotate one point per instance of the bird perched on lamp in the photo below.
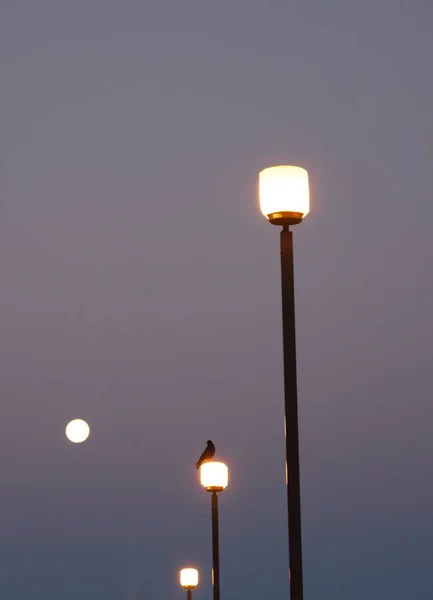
(207, 455)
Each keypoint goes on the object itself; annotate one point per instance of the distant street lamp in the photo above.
(189, 580)
(214, 477)
(284, 200)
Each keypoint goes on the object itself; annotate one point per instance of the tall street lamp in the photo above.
(189, 580)
(214, 477)
(284, 200)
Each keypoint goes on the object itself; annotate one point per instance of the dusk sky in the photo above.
(140, 290)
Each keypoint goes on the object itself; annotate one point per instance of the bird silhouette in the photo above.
(207, 454)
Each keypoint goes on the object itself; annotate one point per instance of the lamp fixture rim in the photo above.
(285, 218)
(215, 488)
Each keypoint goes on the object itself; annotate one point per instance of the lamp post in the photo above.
(214, 478)
(284, 200)
(189, 580)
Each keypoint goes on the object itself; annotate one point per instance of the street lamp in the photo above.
(189, 580)
(284, 200)
(214, 476)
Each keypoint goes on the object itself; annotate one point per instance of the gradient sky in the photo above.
(140, 290)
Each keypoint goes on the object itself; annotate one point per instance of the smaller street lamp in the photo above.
(189, 580)
(214, 477)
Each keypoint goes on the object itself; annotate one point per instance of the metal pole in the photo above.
(291, 414)
(188, 594)
(215, 547)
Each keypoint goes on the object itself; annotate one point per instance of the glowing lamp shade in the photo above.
(214, 476)
(77, 431)
(284, 194)
(189, 578)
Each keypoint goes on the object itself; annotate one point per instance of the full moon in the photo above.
(77, 431)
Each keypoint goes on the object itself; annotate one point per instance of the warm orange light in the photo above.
(284, 193)
(214, 476)
(189, 578)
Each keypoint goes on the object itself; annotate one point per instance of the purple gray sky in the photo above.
(140, 290)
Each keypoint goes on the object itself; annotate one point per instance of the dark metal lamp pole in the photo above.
(291, 416)
(284, 200)
(215, 546)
